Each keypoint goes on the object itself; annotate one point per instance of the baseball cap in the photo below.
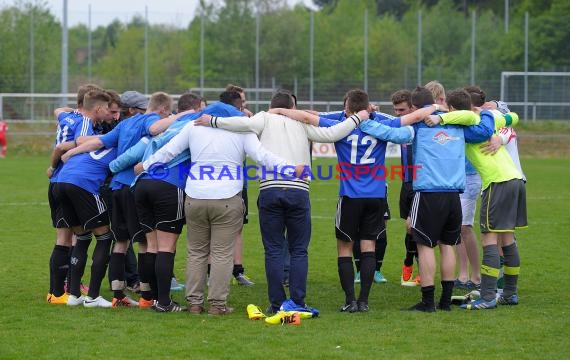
(134, 99)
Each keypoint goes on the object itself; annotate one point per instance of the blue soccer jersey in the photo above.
(439, 154)
(70, 126)
(88, 170)
(361, 157)
(126, 134)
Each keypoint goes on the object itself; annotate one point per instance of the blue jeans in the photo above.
(287, 209)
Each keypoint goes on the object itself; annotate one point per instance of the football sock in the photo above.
(380, 250)
(144, 275)
(446, 292)
(163, 269)
(60, 263)
(131, 267)
(150, 266)
(117, 273)
(489, 272)
(51, 272)
(100, 260)
(428, 293)
(238, 269)
(346, 276)
(501, 279)
(512, 268)
(68, 275)
(78, 261)
(410, 250)
(367, 265)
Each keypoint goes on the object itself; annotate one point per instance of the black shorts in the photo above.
(107, 195)
(80, 207)
(436, 218)
(125, 222)
(160, 206)
(386, 206)
(503, 206)
(246, 206)
(406, 198)
(55, 207)
(360, 219)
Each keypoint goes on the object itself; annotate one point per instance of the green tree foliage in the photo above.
(16, 27)
(229, 47)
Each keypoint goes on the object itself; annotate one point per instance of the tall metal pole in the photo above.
(311, 58)
(202, 53)
(419, 47)
(64, 89)
(257, 26)
(32, 61)
(89, 45)
(146, 49)
(366, 50)
(506, 16)
(473, 19)
(526, 65)
(295, 86)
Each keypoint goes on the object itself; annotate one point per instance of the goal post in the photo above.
(536, 95)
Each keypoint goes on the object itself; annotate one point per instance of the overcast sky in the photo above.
(173, 12)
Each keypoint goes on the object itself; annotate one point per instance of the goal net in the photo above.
(537, 95)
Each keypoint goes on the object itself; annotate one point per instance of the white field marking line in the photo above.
(26, 204)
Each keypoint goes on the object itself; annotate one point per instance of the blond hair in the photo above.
(159, 100)
(437, 91)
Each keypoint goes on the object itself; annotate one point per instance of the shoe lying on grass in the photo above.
(254, 312)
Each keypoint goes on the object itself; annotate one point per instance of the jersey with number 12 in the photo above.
(359, 151)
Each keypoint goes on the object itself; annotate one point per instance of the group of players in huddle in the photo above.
(452, 140)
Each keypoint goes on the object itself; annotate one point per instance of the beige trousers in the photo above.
(212, 229)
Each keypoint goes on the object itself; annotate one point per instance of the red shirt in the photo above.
(3, 128)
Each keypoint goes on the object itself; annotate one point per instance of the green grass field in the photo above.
(537, 328)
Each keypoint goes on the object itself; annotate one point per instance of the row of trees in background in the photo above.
(117, 52)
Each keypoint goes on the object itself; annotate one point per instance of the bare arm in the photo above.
(491, 146)
(83, 139)
(418, 115)
(164, 123)
(59, 150)
(60, 110)
(91, 145)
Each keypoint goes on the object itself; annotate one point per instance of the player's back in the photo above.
(440, 151)
(361, 165)
(71, 125)
(88, 170)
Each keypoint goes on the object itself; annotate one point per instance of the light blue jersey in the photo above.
(177, 167)
(126, 134)
(439, 154)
